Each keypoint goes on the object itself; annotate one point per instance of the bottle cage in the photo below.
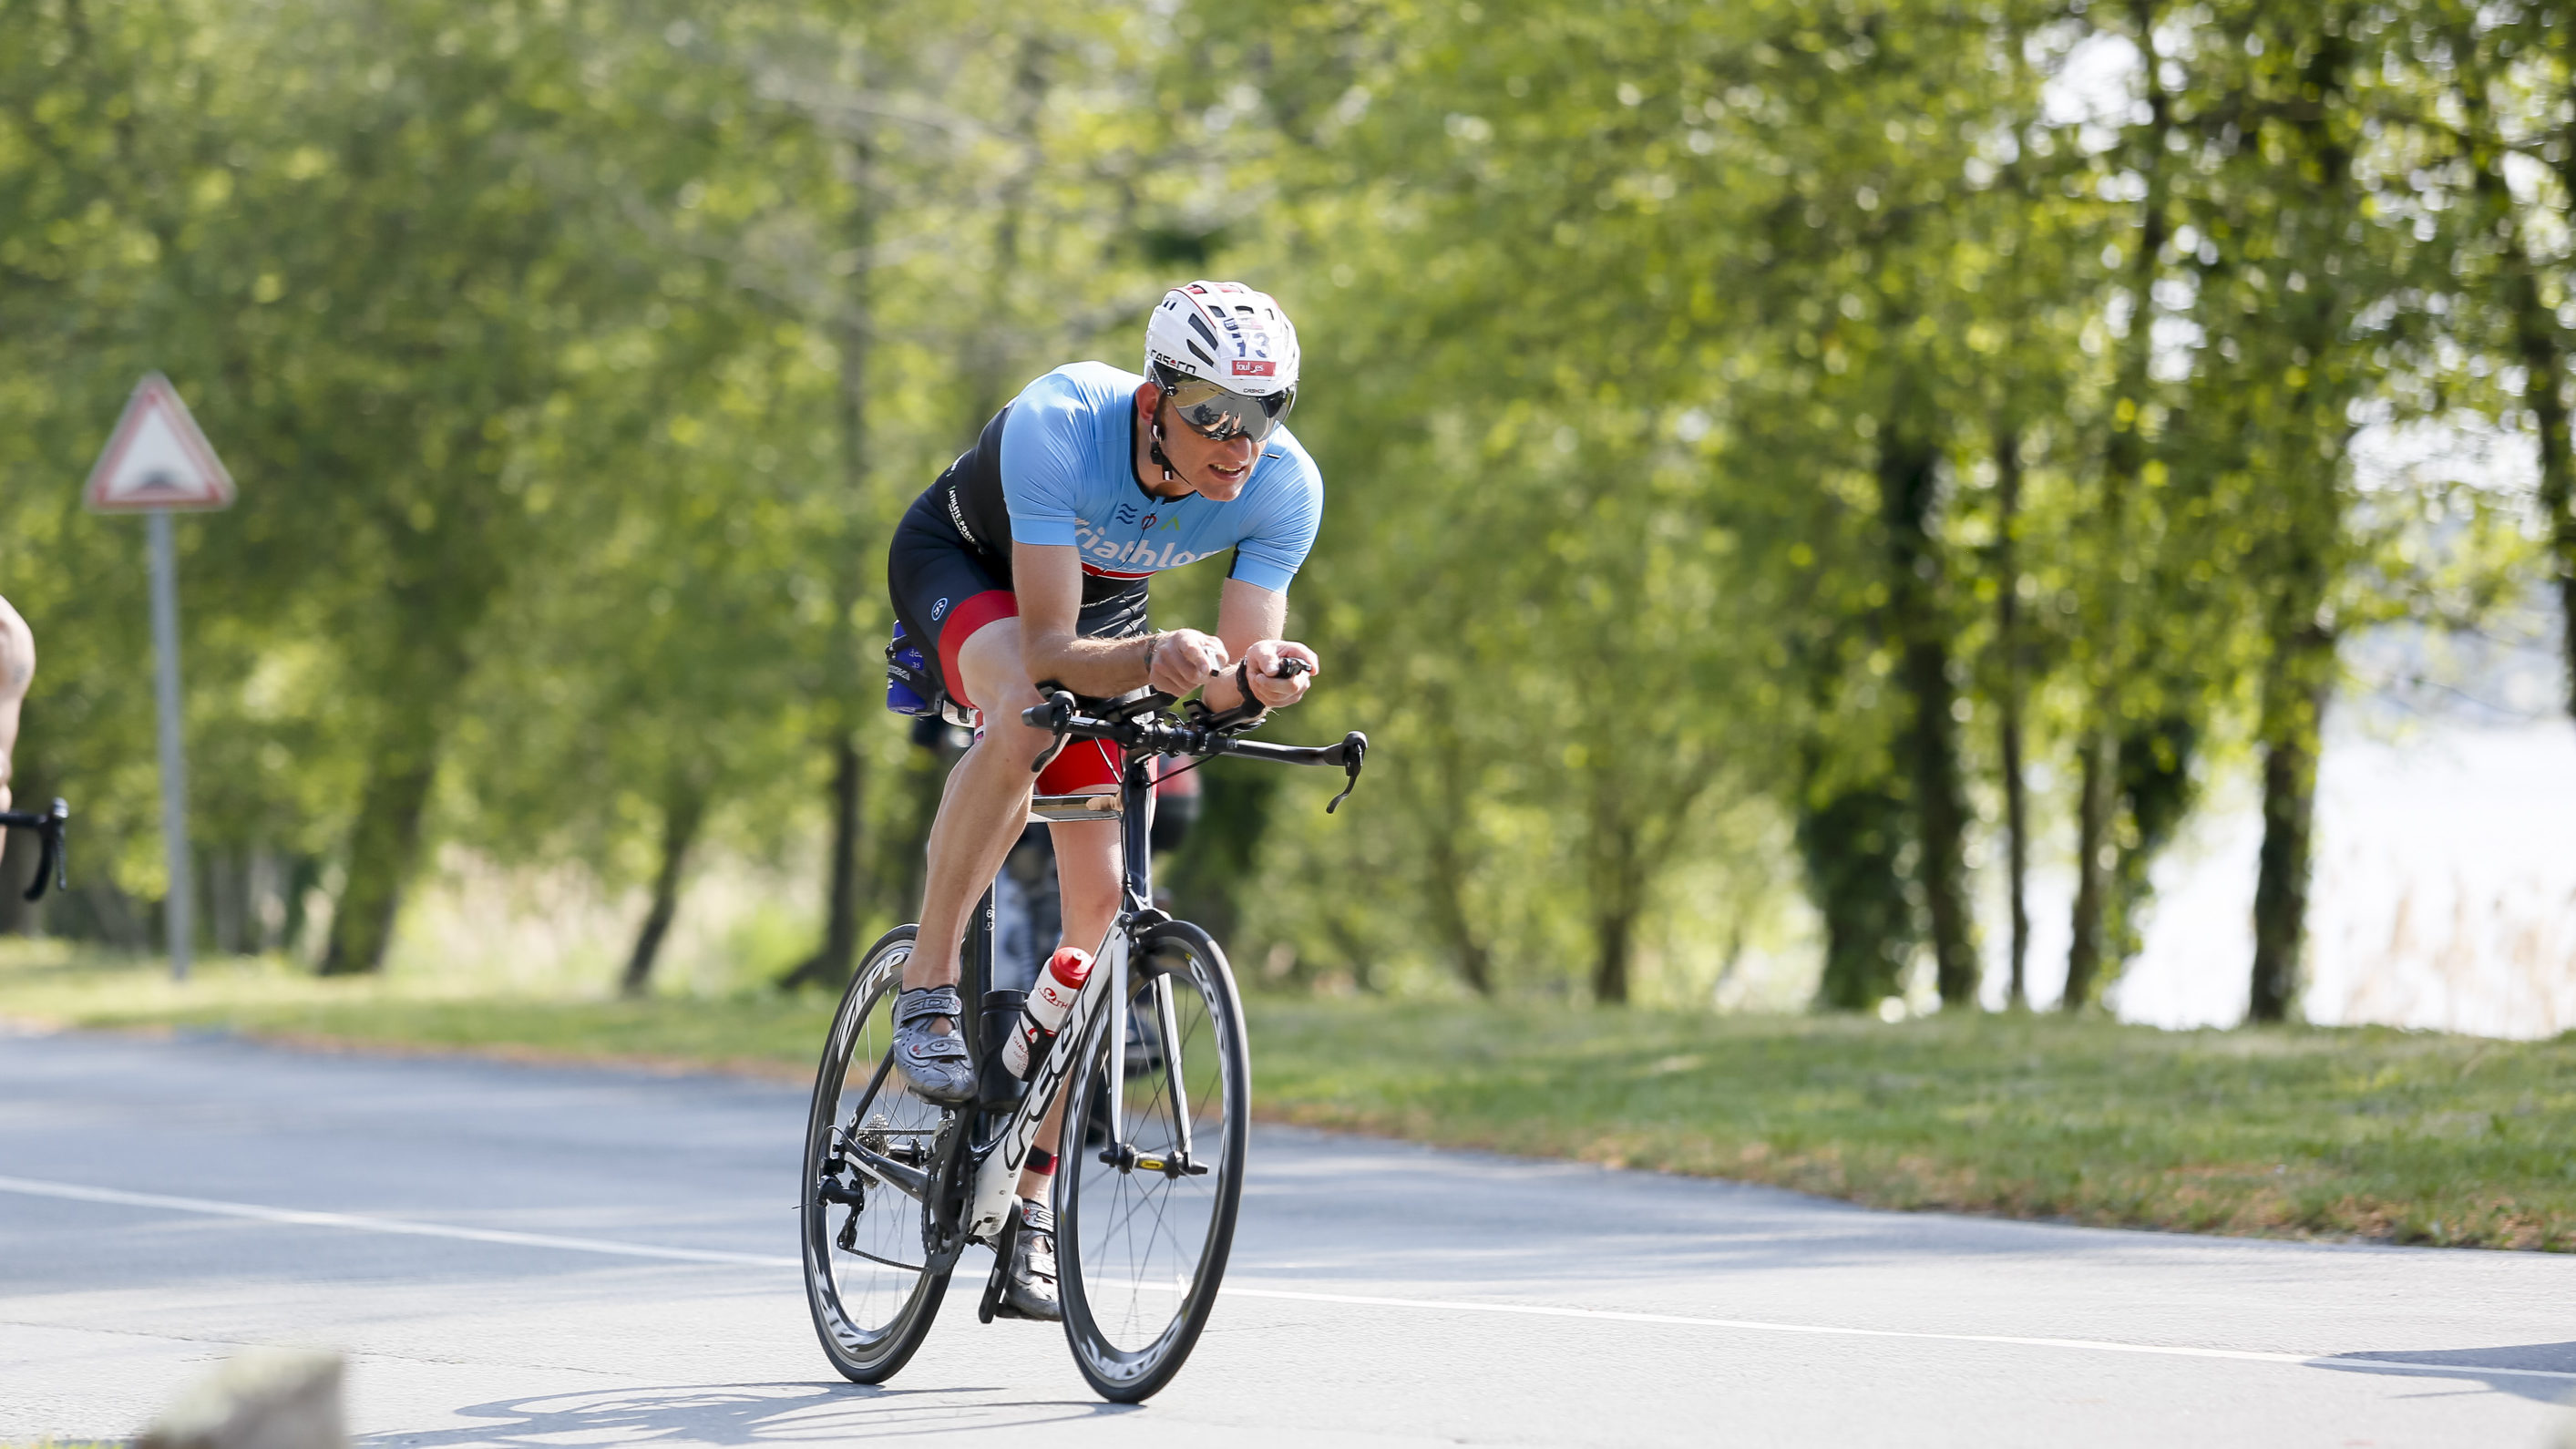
(911, 687)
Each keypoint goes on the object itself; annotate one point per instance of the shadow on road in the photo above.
(741, 1414)
(2485, 1365)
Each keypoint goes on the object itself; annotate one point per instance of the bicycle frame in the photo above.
(997, 1175)
(996, 1168)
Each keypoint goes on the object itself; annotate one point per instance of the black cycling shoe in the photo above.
(935, 1067)
(1029, 1290)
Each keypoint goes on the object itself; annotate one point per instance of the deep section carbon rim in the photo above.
(867, 1274)
(1142, 1240)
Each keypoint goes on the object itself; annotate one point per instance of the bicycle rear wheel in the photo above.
(1142, 1241)
(871, 1284)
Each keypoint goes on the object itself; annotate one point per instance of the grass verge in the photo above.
(2404, 1137)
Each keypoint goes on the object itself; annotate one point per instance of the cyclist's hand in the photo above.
(1186, 659)
(1265, 657)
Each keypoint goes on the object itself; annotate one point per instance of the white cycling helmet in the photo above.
(1226, 354)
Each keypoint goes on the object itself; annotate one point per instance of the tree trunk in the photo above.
(303, 877)
(2155, 794)
(110, 915)
(1849, 836)
(2089, 951)
(2093, 819)
(833, 961)
(445, 581)
(1447, 864)
(2536, 336)
(682, 813)
(2090, 955)
(2294, 712)
(1908, 483)
(383, 848)
(1616, 887)
(996, 342)
(903, 870)
(1448, 870)
(2301, 663)
(2557, 475)
(264, 885)
(2008, 644)
(384, 844)
(1613, 933)
(227, 897)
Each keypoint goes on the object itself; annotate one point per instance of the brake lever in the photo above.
(1354, 753)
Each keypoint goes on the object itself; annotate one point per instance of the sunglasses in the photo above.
(1218, 415)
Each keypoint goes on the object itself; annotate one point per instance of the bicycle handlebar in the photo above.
(54, 858)
(1129, 727)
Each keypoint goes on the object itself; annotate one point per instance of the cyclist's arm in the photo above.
(1249, 618)
(1048, 580)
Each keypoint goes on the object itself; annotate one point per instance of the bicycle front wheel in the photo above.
(868, 1273)
(1145, 1213)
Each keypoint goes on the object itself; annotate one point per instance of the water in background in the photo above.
(2444, 895)
(2445, 887)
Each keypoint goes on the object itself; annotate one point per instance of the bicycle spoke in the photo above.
(875, 1085)
(1145, 1243)
(868, 1279)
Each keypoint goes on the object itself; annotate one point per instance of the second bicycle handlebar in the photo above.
(53, 858)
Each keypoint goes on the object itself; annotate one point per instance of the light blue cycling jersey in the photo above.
(1068, 476)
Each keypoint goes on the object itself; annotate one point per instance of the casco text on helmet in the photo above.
(1226, 333)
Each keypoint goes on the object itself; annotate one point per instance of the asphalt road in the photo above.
(521, 1256)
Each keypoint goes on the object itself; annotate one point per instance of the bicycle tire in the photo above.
(1134, 1309)
(869, 1313)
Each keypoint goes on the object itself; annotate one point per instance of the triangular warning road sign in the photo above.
(156, 459)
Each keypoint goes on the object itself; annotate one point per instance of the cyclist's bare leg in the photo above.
(1087, 877)
(984, 805)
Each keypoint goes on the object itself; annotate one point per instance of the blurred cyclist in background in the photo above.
(17, 671)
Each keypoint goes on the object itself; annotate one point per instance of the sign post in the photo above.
(158, 463)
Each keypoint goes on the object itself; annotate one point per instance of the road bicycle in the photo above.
(1151, 1158)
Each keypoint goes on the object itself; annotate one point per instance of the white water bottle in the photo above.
(1049, 999)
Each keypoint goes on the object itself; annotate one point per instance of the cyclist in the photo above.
(1028, 561)
(17, 671)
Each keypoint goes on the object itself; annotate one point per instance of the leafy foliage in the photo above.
(1752, 432)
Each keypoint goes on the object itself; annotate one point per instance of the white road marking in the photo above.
(2094, 1345)
(356, 1222)
(214, 1208)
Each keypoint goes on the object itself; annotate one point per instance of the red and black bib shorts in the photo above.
(946, 586)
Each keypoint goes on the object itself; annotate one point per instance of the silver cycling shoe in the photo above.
(1029, 1292)
(935, 1067)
